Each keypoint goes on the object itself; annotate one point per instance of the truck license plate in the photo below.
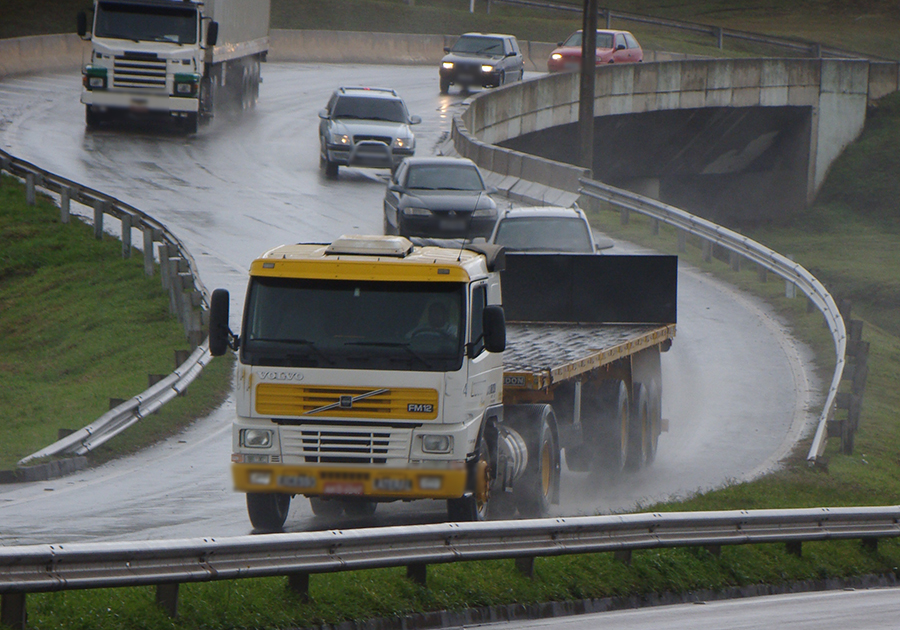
(342, 487)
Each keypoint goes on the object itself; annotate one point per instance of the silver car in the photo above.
(366, 127)
(547, 229)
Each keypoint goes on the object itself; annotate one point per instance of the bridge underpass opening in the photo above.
(733, 166)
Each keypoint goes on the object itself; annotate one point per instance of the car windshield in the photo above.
(478, 45)
(546, 234)
(350, 324)
(444, 177)
(143, 22)
(387, 109)
(604, 40)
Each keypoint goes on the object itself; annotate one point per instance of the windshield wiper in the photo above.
(392, 344)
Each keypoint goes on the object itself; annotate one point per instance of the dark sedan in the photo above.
(442, 197)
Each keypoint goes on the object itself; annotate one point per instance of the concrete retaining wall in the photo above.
(24, 55)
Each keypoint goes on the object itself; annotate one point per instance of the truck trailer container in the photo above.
(373, 370)
(172, 58)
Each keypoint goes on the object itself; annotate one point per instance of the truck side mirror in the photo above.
(494, 327)
(81, 28)
(218, 322)
(212, 33)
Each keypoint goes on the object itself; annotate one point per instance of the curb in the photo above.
(43, 472)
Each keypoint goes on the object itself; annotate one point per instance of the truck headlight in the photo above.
(447, 65)
(94, 78)
(186, 84)
(487, 69)
(437, 443)
(256, 438)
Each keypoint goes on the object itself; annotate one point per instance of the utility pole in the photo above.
(586, 94)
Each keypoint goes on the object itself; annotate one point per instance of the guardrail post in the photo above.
(870, 544)
(718, 32)
(29, 189)
(99, 209)
(13, 613)
(298, 583)
(762, 274)
(64, 195)
(623, 556)
(735, 260)
(606, 13)
(706, 251)
(525, 566)
(623, 216)
(164, 265)
(148, 251)
(654, 227)
(126, 235)
(4, 166)
(417, 573)
(195, 329)
(167, 598)
(790, 289)
(682, 241)
(794, 547)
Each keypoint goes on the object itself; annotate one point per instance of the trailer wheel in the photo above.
(359, 509)
(329, 508)
(268, 510)
(655, 422)
(639, 429)
(474, 504)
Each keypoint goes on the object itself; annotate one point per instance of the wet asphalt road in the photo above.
(738, 390)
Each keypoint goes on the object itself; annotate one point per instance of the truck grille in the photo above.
(140, 72)
(345, 445)
(399, 403)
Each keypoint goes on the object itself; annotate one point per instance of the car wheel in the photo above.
(331, 168)
(445, 86)
(389, 229)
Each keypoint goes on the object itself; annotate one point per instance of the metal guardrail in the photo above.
(807, 48)
(749, 249)
(187, 298)
(43, 568)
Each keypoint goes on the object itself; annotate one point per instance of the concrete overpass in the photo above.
(735, 141)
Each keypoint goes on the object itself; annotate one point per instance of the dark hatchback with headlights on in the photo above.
(439, 197)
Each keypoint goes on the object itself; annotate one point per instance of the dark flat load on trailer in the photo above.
(571, 313)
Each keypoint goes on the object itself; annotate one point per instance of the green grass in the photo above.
(81, 325)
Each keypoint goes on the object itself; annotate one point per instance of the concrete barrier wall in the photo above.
(23, 55)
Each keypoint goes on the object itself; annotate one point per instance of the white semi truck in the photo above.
(173, 58)
(373, 370)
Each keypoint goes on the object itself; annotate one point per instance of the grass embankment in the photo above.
(81, 325)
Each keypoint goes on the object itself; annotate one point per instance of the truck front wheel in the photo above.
(473, 505)
(538, 487)
(268, 510)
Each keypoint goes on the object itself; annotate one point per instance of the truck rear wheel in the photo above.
(538, 487)
(329, 508)
(268, 510)
(606, 418)
(639, 429)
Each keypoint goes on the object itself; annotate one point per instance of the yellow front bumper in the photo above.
(379, 483)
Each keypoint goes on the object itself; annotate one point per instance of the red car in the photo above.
(612, 47)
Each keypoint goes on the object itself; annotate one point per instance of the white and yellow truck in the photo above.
(373, 370)
(172, 58)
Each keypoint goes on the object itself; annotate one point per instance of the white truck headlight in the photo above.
(256, 438)
(437, 443)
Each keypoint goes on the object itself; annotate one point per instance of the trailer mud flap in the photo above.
(590, 288)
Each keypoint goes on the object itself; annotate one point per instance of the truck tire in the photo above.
(655, 421)
(92, 118)
(268, 510)
(191, 123)
(639, 429)
(473, 505)
(605, 420)
(538, 487)
(329, 508)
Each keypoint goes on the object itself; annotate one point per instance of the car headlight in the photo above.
(256, 438)
(403, 143)
(414, 211)
(556, 56)
(437, 443)
(340, 138)
(487, 68)
(485, 212)
(447, 65)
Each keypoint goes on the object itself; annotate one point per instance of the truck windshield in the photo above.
(348, 324)
(146, 22)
